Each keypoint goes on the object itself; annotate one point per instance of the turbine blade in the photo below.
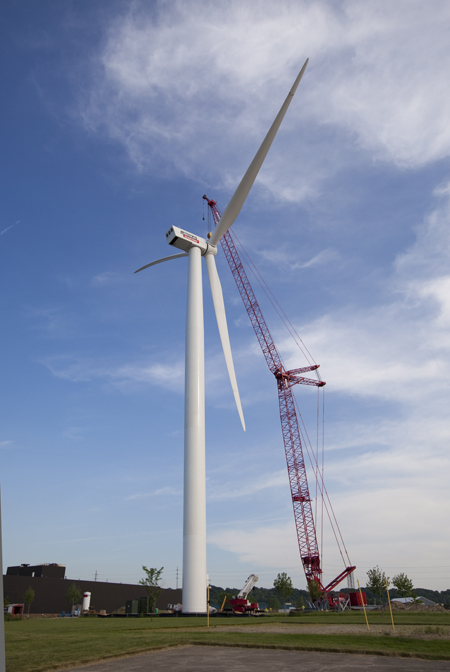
(219, 307)
(238, 199)
(159, 261)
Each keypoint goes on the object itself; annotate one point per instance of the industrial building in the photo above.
(51, 586)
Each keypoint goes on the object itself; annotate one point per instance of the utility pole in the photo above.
(95, 575)
(177, 578)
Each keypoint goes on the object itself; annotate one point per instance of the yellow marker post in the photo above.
(363, 605)
(390, 606)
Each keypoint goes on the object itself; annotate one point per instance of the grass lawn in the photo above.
(37, 645)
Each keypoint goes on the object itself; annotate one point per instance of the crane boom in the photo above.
(301, 500)
(249, 584)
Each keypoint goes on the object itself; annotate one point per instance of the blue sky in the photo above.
(117, 117)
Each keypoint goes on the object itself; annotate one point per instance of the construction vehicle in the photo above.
(240, 604)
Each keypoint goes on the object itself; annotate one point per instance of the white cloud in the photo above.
(73, 433)
(168, 376)
(53, 322)
(166, 491)
(427, 258)
(123, 376)
(392, 507)
(239, 489)
(395, 348)
(9, 227)
(265, 546)
(388, 93)
(373, 352)
(165, 80)
(287, 258)
(105, 278)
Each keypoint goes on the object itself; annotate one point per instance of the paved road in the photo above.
(224, 659)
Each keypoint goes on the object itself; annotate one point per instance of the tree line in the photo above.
(274, 598)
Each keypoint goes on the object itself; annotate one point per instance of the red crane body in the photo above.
(301, 500)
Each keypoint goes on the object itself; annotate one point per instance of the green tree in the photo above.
(73, 595)
(404, 585)
(283, 586)
(377, 582)
(151, 583)
(29, 597)
(314, 590)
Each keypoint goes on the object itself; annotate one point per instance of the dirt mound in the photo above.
(416, 606)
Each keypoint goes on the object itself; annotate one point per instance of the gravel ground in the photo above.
(417, 631)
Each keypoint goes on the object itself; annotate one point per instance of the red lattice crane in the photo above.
(301, 500)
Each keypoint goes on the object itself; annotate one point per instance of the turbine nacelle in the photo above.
(184, 240)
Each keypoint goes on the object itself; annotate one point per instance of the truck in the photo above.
(240, 604)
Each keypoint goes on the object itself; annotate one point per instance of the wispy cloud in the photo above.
(74, 433)
(285, 258)
(238, 490)
(51, 322)
(123, 376)
(266, 546)
(160, 492)
(397, 349)
(102, 279)
(150, 87)
(375, 522)
(373, 491)
(9, 227)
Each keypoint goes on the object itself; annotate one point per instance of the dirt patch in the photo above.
(415, 631)
(416, 606)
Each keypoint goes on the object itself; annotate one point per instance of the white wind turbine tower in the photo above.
(194, 516)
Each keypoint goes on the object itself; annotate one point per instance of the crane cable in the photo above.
(313, 458)
(273, 300)
(322, 488)
(318, 473)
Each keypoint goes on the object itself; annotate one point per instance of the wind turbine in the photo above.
(194, 512)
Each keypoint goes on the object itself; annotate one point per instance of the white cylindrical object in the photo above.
(86, 601)
(194, 518)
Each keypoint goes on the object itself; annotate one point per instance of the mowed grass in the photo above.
(37, 645)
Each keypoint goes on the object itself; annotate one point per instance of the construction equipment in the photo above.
(301, 500)
(240, 604)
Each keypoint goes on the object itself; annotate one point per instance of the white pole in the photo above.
(2, 618)
(194, 521)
